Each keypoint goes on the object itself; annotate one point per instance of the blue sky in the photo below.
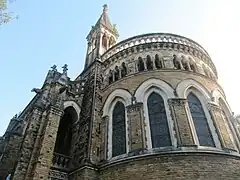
(54, 32)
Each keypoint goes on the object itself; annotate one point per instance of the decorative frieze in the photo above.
(57, 175)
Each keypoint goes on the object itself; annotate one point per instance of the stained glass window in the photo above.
(158, 121)
(118, 130)
(200, 121)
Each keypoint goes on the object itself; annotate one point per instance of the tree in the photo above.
(5, 15)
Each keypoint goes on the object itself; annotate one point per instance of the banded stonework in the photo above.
(148, 107)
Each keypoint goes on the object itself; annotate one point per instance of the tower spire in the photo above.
(105, 8)
(101, 37)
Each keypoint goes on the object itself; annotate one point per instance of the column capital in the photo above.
(134, 107)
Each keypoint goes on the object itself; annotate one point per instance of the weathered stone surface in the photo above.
(222, 127)
(181, 122)
(137, 135)
(64, 131)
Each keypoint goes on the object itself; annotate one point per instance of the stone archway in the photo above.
(64, 134)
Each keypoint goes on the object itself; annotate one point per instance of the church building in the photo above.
(146, 108)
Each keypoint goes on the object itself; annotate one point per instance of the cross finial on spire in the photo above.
(65, 68)
(105, 8)
(54, 67)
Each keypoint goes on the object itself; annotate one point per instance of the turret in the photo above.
(101, 37)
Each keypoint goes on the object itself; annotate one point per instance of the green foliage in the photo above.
(115, 30)
(5, 15)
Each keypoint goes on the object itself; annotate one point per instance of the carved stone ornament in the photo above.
(177, 102)
(58, 175)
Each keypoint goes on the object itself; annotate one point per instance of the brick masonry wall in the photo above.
(85, 173)
(171, 77)
(182, 166)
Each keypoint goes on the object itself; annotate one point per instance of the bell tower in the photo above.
(101, 37)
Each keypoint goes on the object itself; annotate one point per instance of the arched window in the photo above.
(158, 121)
(140, 64)
(200, 121)
(158, 62)
(64, 134)
(149, 63)
(110, 77)
(116, 73)
(118, 130)
(124, 70)
(104, 41)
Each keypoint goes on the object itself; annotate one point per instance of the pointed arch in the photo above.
(118, 129)
(117, 93)
(149, 63)
(158, 62)
(200, 122)
(160, 134)
(184, 85)
(165, 91)
(140, 64)
(113, 108)
(165, 88)
(197, 108)
(64, 135)
(74, 105)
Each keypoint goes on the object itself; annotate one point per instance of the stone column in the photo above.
(145, 64)
(44, 160)
(222, 127)
(28, 144)
(120, 72)
(137, 135)
(113, 76)
(154, 63)
(104, 138)
(181, 122)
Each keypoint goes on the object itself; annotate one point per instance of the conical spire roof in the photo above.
(104, 19)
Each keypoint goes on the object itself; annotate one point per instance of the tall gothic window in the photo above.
(200, 121)
(158, 121)
(118, 130)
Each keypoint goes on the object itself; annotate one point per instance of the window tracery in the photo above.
(200, 121)
(160, 134)
(118, 130)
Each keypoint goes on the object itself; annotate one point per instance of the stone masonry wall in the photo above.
(184, 166)
(172, 77)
